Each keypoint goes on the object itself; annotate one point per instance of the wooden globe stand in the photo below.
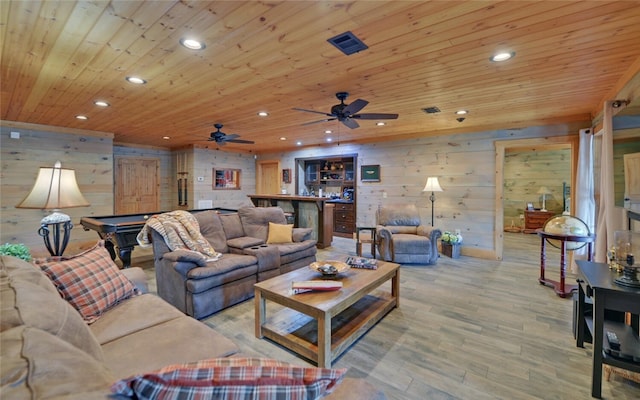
(560, 287)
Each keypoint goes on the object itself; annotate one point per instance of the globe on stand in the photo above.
(566, 225)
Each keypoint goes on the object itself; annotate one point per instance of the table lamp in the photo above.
(432, 186)
(544, 191)
(55, 188)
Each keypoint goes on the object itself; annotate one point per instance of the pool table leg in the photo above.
(109, 245)
(124, 253)
(125, 256)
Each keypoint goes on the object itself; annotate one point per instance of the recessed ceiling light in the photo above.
(380, 123)
(503, 56)
(135, 80)
(329, 139)
(166, 137)
(328, 131)
(462, 112)
(192, 44)
(263, 114)
(101, 103)
(283, 138)
(82, 117)
(299, 143)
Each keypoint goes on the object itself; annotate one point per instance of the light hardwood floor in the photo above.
(466, 329)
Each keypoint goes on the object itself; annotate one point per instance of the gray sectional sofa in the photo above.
(49, 352)
(200, 288)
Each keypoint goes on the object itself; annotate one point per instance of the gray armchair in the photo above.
(401, 237)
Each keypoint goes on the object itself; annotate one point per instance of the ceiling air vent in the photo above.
(348, 43)
(431, 110)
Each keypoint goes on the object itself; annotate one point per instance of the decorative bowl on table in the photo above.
(329, 268)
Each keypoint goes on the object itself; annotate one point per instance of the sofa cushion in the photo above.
(255, 220)
(411, 244)
(180, 340)
(279, 233)
(406, 214)
(212, 229)
(231, 225)
(24, 302)
(135, 314)
(38, 365)
(89, 281)
(234, 377)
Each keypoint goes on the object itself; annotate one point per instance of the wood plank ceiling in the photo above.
(58, 57)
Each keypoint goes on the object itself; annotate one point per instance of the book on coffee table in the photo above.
(362, 262)
(310, 286)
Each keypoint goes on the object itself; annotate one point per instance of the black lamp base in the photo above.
(56, 236)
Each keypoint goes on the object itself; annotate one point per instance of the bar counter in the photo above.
(309, 212)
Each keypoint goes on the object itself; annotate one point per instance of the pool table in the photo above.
(122, 231)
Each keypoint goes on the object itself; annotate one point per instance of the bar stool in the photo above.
(366, 237)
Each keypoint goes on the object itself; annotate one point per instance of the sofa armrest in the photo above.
(237, 245)
(138, 277)
(188, 256)
(429, 231)
(301, 234)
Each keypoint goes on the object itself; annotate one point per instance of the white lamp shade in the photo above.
(544, 190)
(432, 185)
(54, 188)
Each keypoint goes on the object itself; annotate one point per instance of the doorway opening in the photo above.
(515, 189)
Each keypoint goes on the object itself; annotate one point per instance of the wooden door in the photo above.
(268, 177)
(136, 186)
(632, 179)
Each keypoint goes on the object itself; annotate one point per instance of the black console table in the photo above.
(596, 281)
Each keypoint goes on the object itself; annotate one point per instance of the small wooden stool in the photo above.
(366, 237)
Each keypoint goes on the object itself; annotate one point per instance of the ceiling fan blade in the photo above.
(350, 123)
(240, 141)
(354, 107)
(230, 137)
(375, 116)
(312, 111)
(322, 120)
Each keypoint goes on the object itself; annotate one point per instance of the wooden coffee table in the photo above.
(322, 325)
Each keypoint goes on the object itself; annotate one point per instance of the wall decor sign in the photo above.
(286, 175)
(370, 173)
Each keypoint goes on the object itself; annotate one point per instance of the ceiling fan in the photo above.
(221, 138)
(346, 113)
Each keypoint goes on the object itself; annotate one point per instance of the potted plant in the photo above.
(18, 250)
(451, 244)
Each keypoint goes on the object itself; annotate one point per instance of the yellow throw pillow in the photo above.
(280, 233)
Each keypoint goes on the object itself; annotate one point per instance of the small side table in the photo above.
(366, 238)
(560, 288)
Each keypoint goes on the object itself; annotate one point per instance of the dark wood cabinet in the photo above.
(335, 176)
(312, 173)
(344, 220)
(535, 219)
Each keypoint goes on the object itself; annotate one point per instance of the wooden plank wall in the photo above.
(204, 161)
(88, 153)
(525, 171)
(464, 163)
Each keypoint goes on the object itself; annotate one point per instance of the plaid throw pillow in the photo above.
(90, 281)
(232, 378)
